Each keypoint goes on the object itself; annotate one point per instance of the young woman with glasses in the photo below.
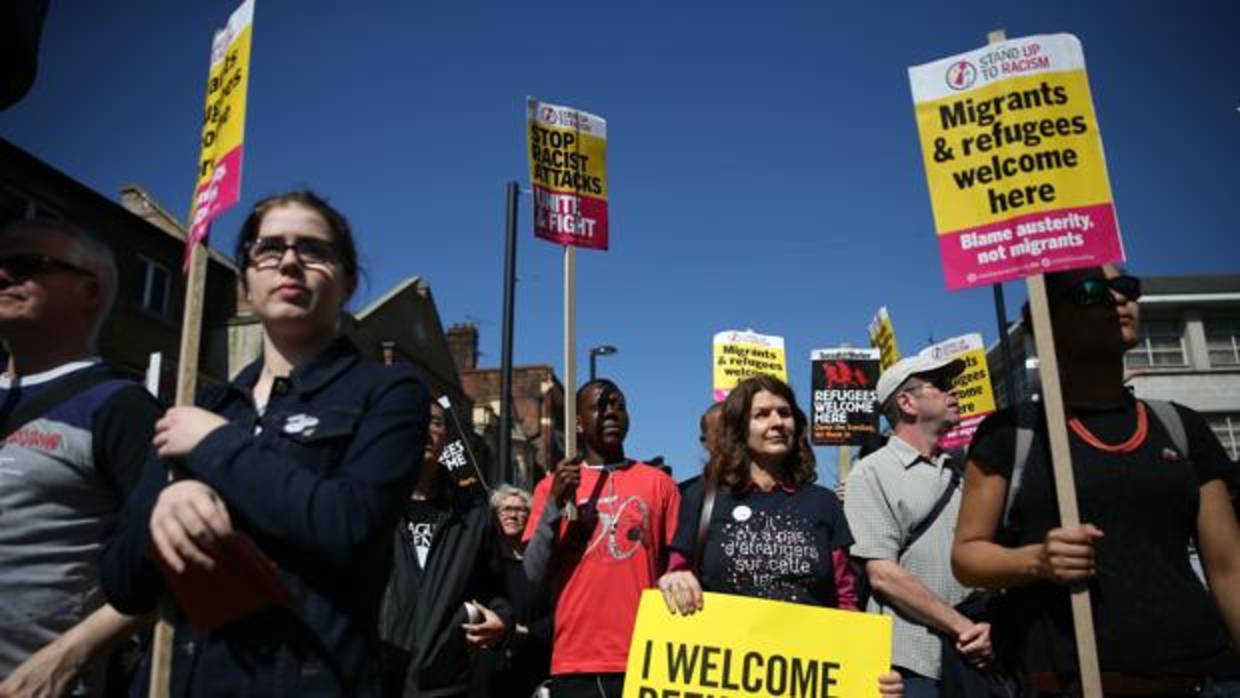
(295, 473)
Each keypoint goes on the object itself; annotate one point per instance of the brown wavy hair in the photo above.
(730, 459)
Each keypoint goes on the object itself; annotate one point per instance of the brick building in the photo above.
(537, 402)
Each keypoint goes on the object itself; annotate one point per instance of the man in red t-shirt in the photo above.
(599, 564)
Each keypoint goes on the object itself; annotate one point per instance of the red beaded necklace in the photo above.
(1133, 443)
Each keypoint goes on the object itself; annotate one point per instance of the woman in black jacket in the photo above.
(523, 661)
(445, 595)
(296, 471)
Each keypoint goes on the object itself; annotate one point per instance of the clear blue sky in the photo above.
(763, 161)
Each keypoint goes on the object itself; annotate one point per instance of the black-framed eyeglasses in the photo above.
(1096, 290)
(266, 253)
(24, 266)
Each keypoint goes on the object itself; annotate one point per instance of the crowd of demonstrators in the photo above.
(523, 661)
(1149, 478)
(75, 436)
(614, 549)
(755, 524)
(317, 473)
(304, 461)
(902, 503)
(446, 594)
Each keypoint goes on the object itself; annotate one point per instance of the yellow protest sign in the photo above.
(744, 647)
(739, 355)
(883, 338)
(568, 174)
(974, 391)
(1014, 162)
(223, 123)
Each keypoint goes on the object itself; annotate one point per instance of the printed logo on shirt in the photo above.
(421, 533)
(303, 424)
(36, 439)
(772, 555)
(622, 525)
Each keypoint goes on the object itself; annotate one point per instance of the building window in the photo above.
(1223, 341)
(152, 289)
(1227, 428)
(1161, 345)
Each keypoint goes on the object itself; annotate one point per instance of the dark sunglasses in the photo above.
(24, 266)
(942, 382)
(266, 253)
(1097, 290)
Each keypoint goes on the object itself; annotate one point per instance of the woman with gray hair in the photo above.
(512, 509)
(524, 661)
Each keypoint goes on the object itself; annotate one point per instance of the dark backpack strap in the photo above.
(939, 506)
(710, 489)
(39, 405)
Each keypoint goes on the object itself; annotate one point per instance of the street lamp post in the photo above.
(602, 350)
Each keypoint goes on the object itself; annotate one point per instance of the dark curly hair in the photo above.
(729, 462)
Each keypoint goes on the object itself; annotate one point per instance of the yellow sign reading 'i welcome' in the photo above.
(740, 647)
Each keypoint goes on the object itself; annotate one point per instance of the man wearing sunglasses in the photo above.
(1149, 477)
(74, 437)
(901, 506)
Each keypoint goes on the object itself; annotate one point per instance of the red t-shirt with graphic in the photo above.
(604, 560)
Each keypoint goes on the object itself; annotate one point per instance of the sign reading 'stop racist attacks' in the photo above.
(844, 389)
(568, 174)
(1014, 161)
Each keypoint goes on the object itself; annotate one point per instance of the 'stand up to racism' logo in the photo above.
(549, 115)
(961, 75)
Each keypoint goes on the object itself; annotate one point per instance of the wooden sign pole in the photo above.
(1065, 485)
(570, 366)
(845, 453)
(1061, 460)
(187, 383)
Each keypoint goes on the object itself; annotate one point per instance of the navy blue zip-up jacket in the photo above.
(318, 481)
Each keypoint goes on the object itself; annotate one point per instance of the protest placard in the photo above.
(974, 391)
(1014, 161)
(568, 174)
(745, 647)
(216, 188)
(218, 184)
(883, 338)
(1012, 128)
(739, 355)
(843, 385)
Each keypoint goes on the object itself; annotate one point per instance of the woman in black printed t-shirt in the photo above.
(772, 533)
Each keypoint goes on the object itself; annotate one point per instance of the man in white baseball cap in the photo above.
(902, 504)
